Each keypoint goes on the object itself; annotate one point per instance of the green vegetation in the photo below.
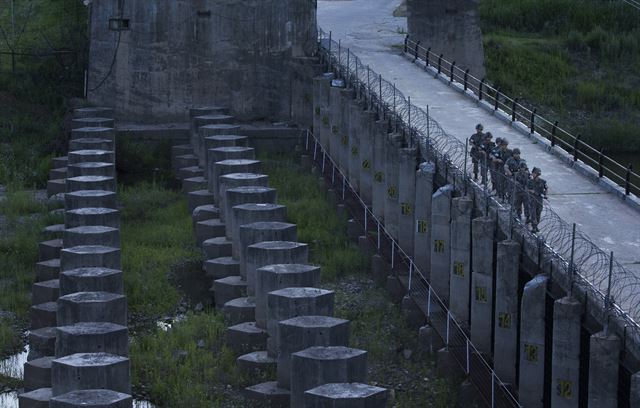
(576, 64)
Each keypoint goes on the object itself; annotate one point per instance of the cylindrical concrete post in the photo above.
(92, 216)
(85, 156)
(250, 213)
(199, 122)
(422, 226)
(441, 240)
(460, 272)
(94, 132)
(91, 143)
(89, 199)
(565, 362)
(272, 252)
(506, 316)
(220, 154)
(91, 169)
(604, 354)
(532, 342)
(406, 197)
(234, 180)
(228, 167)
(91, 183)
(482, 232)
(245, 195)
(379, 190)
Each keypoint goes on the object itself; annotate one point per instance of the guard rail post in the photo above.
(415, 52)
(453, 65)
(553, 133)
(440, 64)
(533, 121)
(480, 89)
(497, 99)
(600, 160)
(514, 106)
(627, 180)
(406, 42)
(576, 143)
(426, 57)
(466, 79)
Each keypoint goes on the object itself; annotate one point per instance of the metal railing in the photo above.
(518, 110)
(494, 392)
(563, 248)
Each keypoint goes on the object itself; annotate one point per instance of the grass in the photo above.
(577, 65)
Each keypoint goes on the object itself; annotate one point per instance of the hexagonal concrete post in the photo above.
(565, 363)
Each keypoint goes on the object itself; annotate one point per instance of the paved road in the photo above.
(368, 29)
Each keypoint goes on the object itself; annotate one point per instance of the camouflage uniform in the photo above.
(521, 200)
(511, 167)
(475, 141)
(538, 191)
(500, 156)
(486, 148)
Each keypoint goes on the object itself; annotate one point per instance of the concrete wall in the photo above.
(243, 54)
(450, 27)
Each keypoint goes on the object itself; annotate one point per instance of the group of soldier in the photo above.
(510, 176)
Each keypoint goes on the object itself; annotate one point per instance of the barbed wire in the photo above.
(564, 248)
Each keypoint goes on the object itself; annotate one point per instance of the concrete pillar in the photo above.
(91, 169)
(367, 132)
(108, 133)
(249, 213)
(321, 100)
(96, 122)
(460, 272)
(92, 235)
(273, 252)
(532, 342)
(92, 399)
(245, 195)
(379, 190)
(482, 232)
(89, 256)
(604, 355)
(92, 307)
(324, 365)
(345, 142)
(228, 167)
(234, 180)
(219, 154)
(89, 199)
(91, 279)
(92, 216)
(392, 175)
(91, 183)
(193, 124)
(565, 363)
(209, 125)
(85, 371)
(634, 400)
(506, 315)
(422, 226)
(91, 143)
(93, 112)
(92, 337)
(406, 197)
(85, 156)
(335, 123)
(355, 144)
(351, 394)
(441, 240)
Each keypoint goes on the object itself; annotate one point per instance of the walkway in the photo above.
(368, 29)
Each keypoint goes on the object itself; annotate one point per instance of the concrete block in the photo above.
(37, 373)
(469, 396)
(269, 253)
(42, 343)
(53, 231)
(249, 213)
(246, 337)
(47, 270)
(49, 249)
(233, 180)
(280, 276)
(90, 199)
(43, 292)
(482, 233)
(189, 172)
(92, 122)
(219, 154)
(100, 132)
(209, 138)
(346, 395)
(56, 174)
(245, 195)
(221, 168)
(441, 241)
(224, 267)
(216, 248)
(395, 290)
(89, 256)
(366, 247)
(208, 229)
(92, 216)
(414, 315)
(210, 125)
(91, 143)
(406, 199)
(460, 265)
(287, 303)
(604, 355)
(323, 365)
(92, 337)
(92, 399)
(43, 315)
(91, 183)
(199, 198)
(87, 371)
(239, 310)
(35, 399)
(269, 394)
(56, 187)
(92, 307)
(205, 212)
(92, 235)
(194, 184)
(379, 270)
(227, 289)
(300, 333)
(565, 360)
(422, 236)
(446, 365)
(256, 232)
(186, 160)
(59, 162)
(91, 279)
(85, 156)
(430, 339)
(256, 363)
(93, 112)
(95, 169)
(180, 150)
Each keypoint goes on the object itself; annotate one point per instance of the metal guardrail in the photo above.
(563, 248)
(604, 165)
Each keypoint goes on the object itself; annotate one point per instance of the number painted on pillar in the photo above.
(392, 192)
(504, 320)
(458, 269)
(481, 294)
(344, 140)
(335, 129)
(438, 246)
(354, 150)
(325, 120)
(366, 164)
(317, 111)
(531, 352)
(378, 177)
(421, 226)
(565, 389)
(406, 208)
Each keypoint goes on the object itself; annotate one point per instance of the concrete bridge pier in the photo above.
(249, 213)
(380, 136)
(635, 390)
(234, 180)
(356, 140)
(321, 101)
(482, 241)
(367, 134)
(460, 268)
(245, 195)
(218, 154)
(335, 123)
(228, 167)
(604, 354)
(506, 314)
(565, 364)
(422, 217)
(270, 253)
(441, 240)
(392, 167)
(346, 96)
(406, 198)
(532, 342)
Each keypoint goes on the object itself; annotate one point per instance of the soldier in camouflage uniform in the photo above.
(500, 155)
(492, 166)
(485, 151)
(521, 201)
(476, 141)
(511, 166)
(537, 189)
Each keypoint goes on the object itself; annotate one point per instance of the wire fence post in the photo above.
(380, 95)
(410, 132)
(378, 235)
(468, 371)
(410, 274)
(393, 254)
(348, 67)
(415, 53)
(497, 100)
(440, 64)
(571, 259)
(608, 302)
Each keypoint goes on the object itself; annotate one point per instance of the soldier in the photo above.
(485, 150)
(475, 141)
(522, 177)
(537, 189)
(512, 164)
(500, 155)
(492, 166)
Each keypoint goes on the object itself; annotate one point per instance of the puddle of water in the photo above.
(10, 400)
(14, 366)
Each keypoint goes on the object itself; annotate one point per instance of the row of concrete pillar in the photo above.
(475, 274)
(279, 318)
(79, 339)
